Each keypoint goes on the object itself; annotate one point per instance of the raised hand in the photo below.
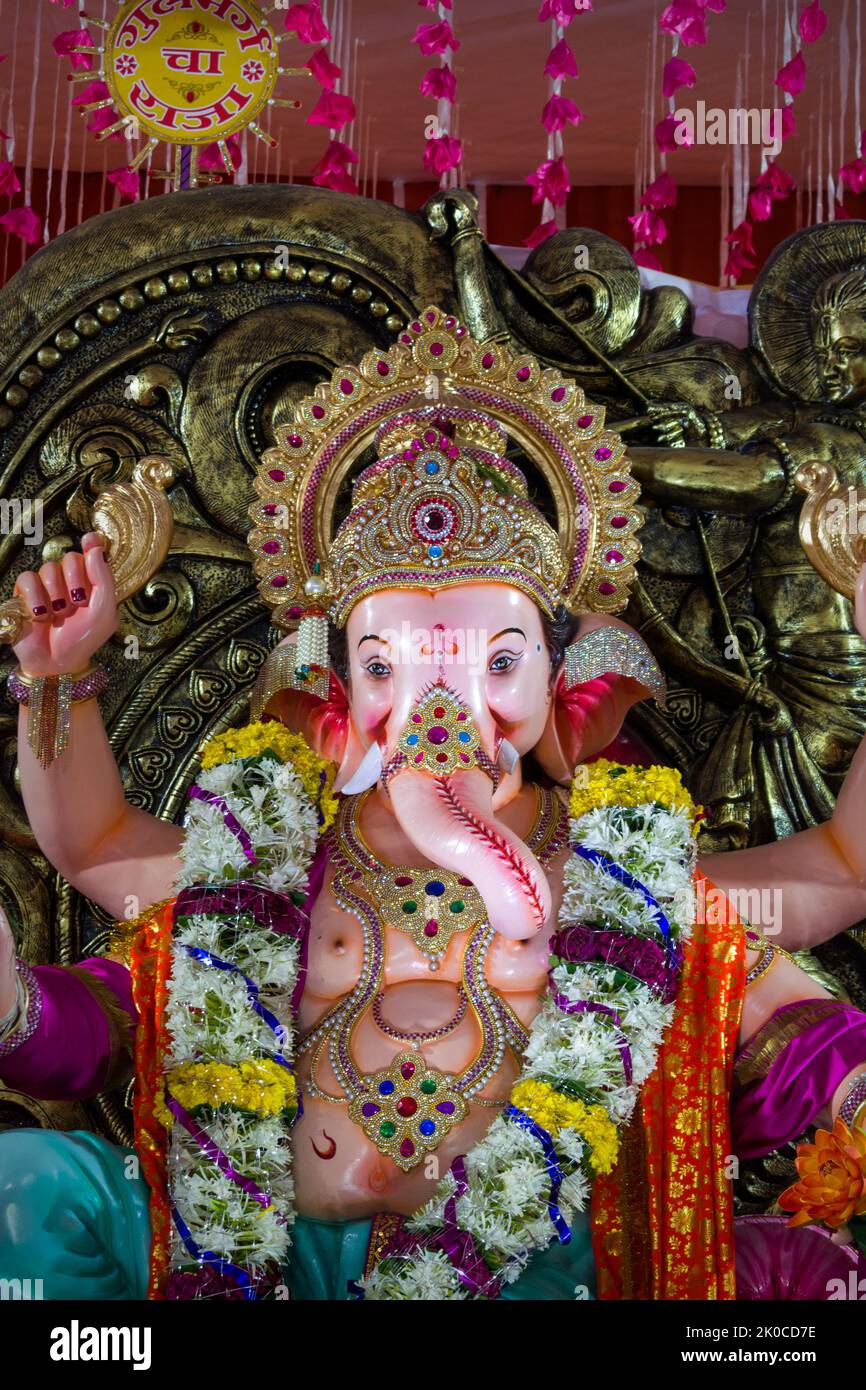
(73, 611)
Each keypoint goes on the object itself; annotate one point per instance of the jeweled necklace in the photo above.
(407, 1108)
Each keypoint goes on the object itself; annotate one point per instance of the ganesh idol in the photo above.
(432, 996)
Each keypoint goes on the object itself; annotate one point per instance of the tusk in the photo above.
(367, 773)
(508, 756)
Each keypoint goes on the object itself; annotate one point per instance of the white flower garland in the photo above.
(221, 1065)
(591, 1046)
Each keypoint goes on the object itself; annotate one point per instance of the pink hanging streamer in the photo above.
(775, 184)
(550, 182)
(443, 152)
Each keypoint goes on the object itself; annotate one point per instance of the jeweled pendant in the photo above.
(407, 1109)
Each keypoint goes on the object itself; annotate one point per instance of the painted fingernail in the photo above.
(58, 603)
(78, 596)
(39, 610)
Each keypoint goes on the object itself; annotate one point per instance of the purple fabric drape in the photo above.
(69, 1055)
(799, 1083)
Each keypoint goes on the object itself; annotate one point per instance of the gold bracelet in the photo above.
(48, 700)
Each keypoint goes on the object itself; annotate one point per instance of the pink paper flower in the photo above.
(853, 174)
(686, 18)
(434, 4)
(338, 179)
(64, 3)
(332, 110)
(649, 227)
(677, 73)
(541, 233)
(643, 256)
(550, 180)
(561, 61)
(740, 238)
(776, 180)
(563, 11)
(101, 120)
(737, 263)
(789, 125)
(560, 111)
(666, 132)
(442, 153)
(91, 91)
(760, 204)
(792, 77)
(439, 83)
(210, 157)
(306, 21)
(661, 193)
(75, 38)
(23, 222)
(435, 38)
(336, 158)
(813, 22)
(128, 181)
(324, 71)
(8, 178)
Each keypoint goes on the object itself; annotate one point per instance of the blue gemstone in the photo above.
(463, 737)
(427, 1127)
(385, 1088)
(434, 551)
(431, 467)
(412, 738)
(435, 888)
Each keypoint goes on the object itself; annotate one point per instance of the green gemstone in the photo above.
(410, 906)
(428, 1087)
(387, 1130)
(458, 905)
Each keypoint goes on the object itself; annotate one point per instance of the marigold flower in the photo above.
(832, 1182)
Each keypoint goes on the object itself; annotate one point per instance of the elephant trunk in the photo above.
(450, 820)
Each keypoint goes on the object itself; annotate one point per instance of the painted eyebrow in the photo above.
(507, 630)
(369, 637)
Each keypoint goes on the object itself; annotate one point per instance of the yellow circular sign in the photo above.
(190, 71)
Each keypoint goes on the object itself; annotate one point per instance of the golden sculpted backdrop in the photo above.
(185, 327)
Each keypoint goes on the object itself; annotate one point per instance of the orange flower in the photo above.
(832, 1185)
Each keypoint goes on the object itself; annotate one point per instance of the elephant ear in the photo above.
(325, 724)
(587, 716)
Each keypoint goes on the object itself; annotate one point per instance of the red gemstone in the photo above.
(430, 316)
(382, 368)
(190, 96)
(523, 374)
(295, 440)
(619, 522)
(317, 412)
(488, 359)
(437, 734)
(403, 881)
(407, 1070)
(346, 386)
(441, 757)
(439, 712)
(584, 421)
(279, 581)
(429, 436)
(606, 588)
(558, 394)
(407, 1148)
(416, 327)
(436, 349)
(613, 557)
(277, 474)
(431, 928)
(270, 509)
(406, 1106)
(271, 548)
(616, 486)
(404, 338)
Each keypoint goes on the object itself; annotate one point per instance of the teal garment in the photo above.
(74, 1214)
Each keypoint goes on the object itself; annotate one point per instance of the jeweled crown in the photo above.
(442, 505)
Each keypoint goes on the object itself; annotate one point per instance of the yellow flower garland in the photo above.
(253, 739)
(605, 783)
(555, 1111)
(259, 1085)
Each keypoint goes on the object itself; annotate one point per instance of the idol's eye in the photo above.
(379, 670)
(503, 662)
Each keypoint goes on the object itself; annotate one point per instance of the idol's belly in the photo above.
(341, 1172)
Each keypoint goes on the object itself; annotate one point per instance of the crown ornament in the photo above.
(441, 505)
